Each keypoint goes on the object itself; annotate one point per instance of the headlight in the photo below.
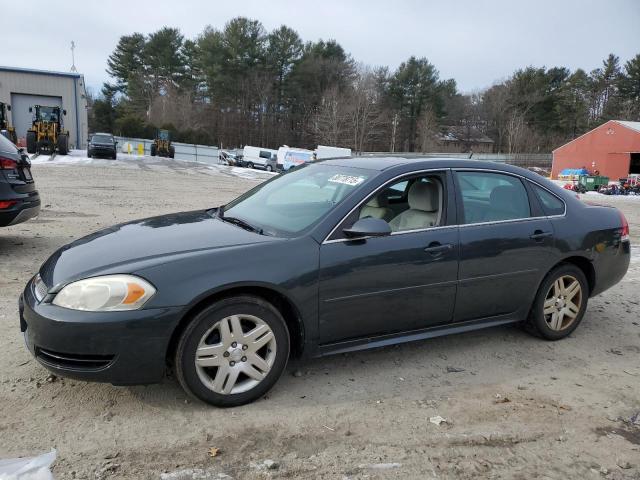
(105, 294)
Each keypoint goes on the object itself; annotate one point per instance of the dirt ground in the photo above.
(515, 406)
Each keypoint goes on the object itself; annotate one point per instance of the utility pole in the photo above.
(73, 57)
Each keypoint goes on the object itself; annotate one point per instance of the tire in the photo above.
(249, 165)
(200, 381)
(269, 168)
(63, 144)
(114, 156)
(558, 322)
(172, 152)
(88, 153)
(31, 142)
(154, 150)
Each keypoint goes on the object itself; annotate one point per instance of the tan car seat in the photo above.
(377, 207)
(424, 208)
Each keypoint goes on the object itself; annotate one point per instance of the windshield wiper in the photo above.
(242, 224)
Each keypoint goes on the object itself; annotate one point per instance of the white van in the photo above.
(331, 152)
(256, 157)
(286, 153)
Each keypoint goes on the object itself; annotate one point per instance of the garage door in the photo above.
(20, 104)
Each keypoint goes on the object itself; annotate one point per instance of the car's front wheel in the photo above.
(560, 303)
(233, 351)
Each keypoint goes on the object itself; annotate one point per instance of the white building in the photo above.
(23, 88)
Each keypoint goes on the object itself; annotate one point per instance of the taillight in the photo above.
(8, 164)
(4, 204)
(624, 235)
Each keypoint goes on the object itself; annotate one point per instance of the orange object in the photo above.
(134, 292)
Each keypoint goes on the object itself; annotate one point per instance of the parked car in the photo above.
(19, 199)
(335, 256)
(264, 158)
(102, 145)
(230, 158)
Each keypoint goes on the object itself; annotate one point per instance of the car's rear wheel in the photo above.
(560, 303)
(233, 351)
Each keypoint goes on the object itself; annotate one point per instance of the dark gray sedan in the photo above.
(340, 255)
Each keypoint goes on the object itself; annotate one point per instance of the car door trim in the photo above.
(392, 290)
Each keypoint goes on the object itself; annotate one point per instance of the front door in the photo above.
(402, 282)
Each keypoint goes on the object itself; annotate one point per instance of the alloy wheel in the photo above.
(236, 354)
(562, 303)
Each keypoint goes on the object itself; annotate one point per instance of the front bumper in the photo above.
(122, 348)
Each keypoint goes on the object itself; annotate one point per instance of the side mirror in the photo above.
(368, 227)
(64, 112)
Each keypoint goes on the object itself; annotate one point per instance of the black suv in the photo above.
(19, 199)
(102, 145)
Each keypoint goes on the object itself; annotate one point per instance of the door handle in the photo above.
(539, 235)
(436, 248)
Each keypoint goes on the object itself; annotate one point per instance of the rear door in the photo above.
(506, 245)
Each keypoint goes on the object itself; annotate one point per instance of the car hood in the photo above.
(129, 247)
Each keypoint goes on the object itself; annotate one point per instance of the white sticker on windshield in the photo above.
(347, 179)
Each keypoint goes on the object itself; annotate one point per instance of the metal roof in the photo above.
(39, 72)
(632, 125)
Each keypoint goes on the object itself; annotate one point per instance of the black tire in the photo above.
(31, 142)
(63, 144)
(114, 156)
(269, 168)
(154, 150)
(249, 165)
(537, 322)
(172, 152)
(185, 367)
(88, 153)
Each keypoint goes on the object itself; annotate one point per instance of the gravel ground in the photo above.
(515, 406)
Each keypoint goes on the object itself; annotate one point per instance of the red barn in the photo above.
(613, 149)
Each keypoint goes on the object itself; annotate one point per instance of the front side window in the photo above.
(413, 204)
(295, 201)
(491, 197)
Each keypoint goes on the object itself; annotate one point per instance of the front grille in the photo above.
(40, 289)
(73, 361)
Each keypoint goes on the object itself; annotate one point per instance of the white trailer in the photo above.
(324, 151)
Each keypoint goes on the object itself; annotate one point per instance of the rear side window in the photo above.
(491, 197)
(551, 204)
(6, 145)
(264, 154)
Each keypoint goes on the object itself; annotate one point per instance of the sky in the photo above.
(476, 42)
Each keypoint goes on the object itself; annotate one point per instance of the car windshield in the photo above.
(102, 139)
(295, 201)
(48, 114)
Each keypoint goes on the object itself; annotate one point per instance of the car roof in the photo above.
(406, 164)
(382, 163)
(100, 133)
